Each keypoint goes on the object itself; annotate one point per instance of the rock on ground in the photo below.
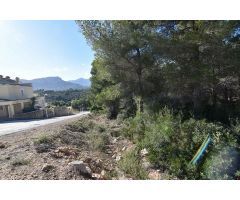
(47, 167)
(80, 168)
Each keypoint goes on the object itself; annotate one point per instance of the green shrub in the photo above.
(100, 128)
(130, 164)
(237, 174)
(163, 138)
(97, 109)
(82, 125)
(172, 143)
(98, 141)
(111, 175)
(44, 143)
(19, 162)
(134, 128)
(235, 126)
(81, 104)
(43, 139)
(197, 131)
(222, 163)
(59, 103)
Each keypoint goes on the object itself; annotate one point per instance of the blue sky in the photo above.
(34, 49)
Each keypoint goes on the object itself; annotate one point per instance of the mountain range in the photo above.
(82, 81)
(57, 83)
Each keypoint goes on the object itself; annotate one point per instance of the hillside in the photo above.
(52, 83)
(64, 97)
(82, 81)
(49, 152)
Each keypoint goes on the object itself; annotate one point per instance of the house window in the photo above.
(1, 108)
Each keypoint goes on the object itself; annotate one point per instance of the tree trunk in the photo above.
(139, 102)
(139, 74)
(141, 105)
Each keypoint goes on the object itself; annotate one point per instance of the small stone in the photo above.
(118, 157)
(99, 162)
(146, 165)
(34, 174)
(97, 176)
(154, 175)
(79, 167)
(2, 145)
(124, 148)
(144, 152)
(47, 167)
(103, 173)
(114, 140)
(114, 156)
(8, 158)
(109, 152)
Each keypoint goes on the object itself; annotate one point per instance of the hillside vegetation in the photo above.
(78, 99)
(172, 84)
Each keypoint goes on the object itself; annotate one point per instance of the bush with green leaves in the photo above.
(83, 125)
(98, 140)
(131, 165)
(237, 174)
(134, 127)
(80, 104)
(172, 143)
(222, 163)
(59, 103)
(44, 139)
(163, 139)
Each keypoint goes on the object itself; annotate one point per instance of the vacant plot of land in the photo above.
(50, 151)
(88, 147)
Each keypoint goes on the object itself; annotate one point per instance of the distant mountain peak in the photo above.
(82, 81)
(55, 83)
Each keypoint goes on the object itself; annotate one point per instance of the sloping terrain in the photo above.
(85, 148)
(82, 81)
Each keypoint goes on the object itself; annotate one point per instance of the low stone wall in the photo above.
(46, 113)
(37, 114)
(62, 111)
(49, 112)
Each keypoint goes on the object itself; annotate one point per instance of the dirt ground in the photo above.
(47, 151)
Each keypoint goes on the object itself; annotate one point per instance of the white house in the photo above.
(15, 97)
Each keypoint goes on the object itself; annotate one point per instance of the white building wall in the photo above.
(13, 97)
(4, 92)
(14, 92)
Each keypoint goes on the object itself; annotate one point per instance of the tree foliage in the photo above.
(105, 92)
(191, 66)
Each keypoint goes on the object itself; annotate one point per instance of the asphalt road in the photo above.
(21, 125)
